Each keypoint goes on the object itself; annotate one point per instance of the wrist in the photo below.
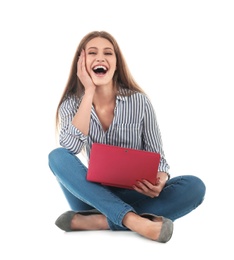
(164, 175)
(89, 91)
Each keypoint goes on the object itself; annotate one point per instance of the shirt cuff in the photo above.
(73, 131)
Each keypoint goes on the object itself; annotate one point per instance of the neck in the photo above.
(104, 95)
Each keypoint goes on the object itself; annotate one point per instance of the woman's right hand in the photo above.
(82, 73)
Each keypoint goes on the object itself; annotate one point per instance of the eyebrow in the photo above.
(106, 48)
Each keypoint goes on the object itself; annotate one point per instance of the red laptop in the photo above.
(121, 167)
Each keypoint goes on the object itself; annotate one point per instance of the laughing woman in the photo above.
(98, 105)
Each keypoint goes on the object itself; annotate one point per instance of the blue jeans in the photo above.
(180, 195)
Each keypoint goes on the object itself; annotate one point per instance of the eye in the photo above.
(92, 52)
(108, 53)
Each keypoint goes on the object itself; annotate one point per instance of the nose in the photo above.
(100, 60)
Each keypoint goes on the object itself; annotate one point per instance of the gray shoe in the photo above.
(167, 227)
(64, 220)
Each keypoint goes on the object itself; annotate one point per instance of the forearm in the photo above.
(81, 120)
(164, 176)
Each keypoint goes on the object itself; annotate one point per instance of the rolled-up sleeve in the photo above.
(152, 135)
(70, 137)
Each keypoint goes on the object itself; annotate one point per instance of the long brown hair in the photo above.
(122, 78)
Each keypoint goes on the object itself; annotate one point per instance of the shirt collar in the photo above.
(122, 98)
(123, 94)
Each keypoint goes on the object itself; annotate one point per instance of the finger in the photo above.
(148, 184)
(82, 56)
(148, 193)
(81, 65)
(142, 186)
(154, 189)
(158, 181)
(79, 61)
(137, 189)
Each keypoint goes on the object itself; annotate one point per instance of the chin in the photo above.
(101, 82)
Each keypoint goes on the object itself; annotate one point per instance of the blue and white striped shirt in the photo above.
(134, 126)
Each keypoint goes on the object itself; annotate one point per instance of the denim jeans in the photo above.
(179, 196)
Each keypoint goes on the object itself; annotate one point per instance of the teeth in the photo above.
(100, 67)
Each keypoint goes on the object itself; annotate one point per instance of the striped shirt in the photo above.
(134, 125)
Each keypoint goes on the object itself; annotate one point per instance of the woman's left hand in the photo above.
(148, 189)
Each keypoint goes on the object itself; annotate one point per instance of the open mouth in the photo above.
(100, 70)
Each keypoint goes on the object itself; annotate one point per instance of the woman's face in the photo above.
(100, 61)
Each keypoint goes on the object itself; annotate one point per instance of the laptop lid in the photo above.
(121, 167)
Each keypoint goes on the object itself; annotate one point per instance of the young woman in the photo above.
(102, 103)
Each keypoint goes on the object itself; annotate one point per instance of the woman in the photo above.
(102, 103)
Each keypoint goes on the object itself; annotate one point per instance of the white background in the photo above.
(181, 53)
